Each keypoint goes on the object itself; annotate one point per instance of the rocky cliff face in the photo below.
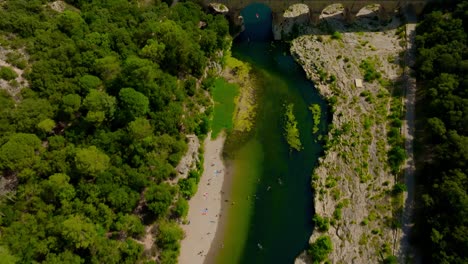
(288, 24)
(353, 183)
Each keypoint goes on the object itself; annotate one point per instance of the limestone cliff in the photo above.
(353, 183)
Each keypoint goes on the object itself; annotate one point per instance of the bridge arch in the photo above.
(350, 7)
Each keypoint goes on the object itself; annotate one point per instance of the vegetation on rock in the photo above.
(316, 114)
(291, 132)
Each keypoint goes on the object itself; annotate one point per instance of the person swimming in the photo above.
(257, 15)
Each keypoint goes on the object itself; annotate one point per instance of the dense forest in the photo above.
(442, 67)
(88, 148)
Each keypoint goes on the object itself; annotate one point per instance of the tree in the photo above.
(88, 82)
(140, 129)
(91, 161)
(133, 103)
(30, 112)
(181, 208)
(159, 198)
(169, 235)
(130, 225)
(7, 257)
(436, 126)
(319, 250)
(100, 105)
(108, 67)
(123, 199)
(78, 231)
(71, 103)
(57, 187)
(153, 51)
(46, 125)
(19, 151)
(66, 257)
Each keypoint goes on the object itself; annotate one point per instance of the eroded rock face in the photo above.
(189, 160)
(219, 8)
(285, 25)
(14, 86)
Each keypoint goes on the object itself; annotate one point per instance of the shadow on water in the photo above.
(280, 221)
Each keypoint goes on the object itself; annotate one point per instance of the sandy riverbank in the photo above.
(206, 206)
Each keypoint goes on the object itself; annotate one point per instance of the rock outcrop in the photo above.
(353, 182)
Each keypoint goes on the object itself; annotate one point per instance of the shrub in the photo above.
(181, 208)
(390, 260)
(336, 35)
(319, 250)
(398, 188)
(321, 223)
(7, 73)
(370, 73)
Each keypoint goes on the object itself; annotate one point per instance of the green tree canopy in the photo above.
(19, 151)
(133, 103)
(100, 106)
(91, 160)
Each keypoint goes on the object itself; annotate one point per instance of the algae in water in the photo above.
(291, 130)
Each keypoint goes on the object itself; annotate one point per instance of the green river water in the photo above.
(270, 220)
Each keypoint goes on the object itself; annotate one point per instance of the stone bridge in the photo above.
(351, 7)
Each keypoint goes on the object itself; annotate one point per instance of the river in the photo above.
(270, 217)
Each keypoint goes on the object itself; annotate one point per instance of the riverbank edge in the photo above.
(235, 72)
(315, 71)
(200, 231)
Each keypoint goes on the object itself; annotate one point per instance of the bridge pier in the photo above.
(387, 11)
(314, 16)
(236, 20)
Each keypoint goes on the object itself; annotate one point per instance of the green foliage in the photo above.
(140, 129)
(7, 73)
(291, 130)
(370, 73)
(130, 225)
(319, 250)
(7, 257)
(398, 188)
(71, 103)
(336, 35)
(19, 151)
(321, 223)
(100, 106)
(101, 123)
(133, 103)
(316, 115)
(58, 188)
(159, 198)
(169, 235)
(441, 66)
(188, 187)
(46, 125)
(390, 260)
(91, 161)
(181, 208)
(79, 231)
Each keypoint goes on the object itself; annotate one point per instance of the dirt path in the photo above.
(407, 251)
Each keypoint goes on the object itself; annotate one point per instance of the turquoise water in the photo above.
(279, 206)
